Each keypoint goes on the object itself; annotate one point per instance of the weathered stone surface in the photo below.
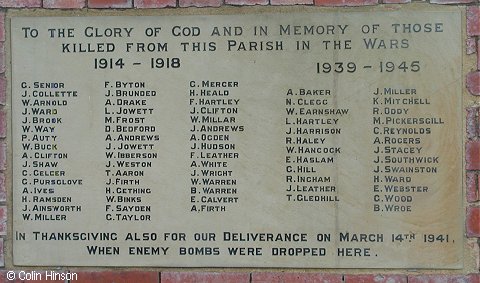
(257, 140)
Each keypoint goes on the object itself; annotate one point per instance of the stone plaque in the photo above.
(312, 140)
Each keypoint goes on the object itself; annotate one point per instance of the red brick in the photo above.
(375, 278)
(2, 58)
(440, 278)
(478, 192)
(2, 258)
(2, 26)
(116, 276)
(451, 1)
(210, 277)
(472, 186)
(3, 123)
(110, 3)
(474, 278)
(3, 190)
(473, 82)
(63, 4)
(246, 2)
(472, 155)
(473, 221)
(478, 54)
(471, 45)
(281, 277)
(155, 3)
(345, 2)
(3, 220)
(473, 122)
(200, 3)
(20, 3)
(3, 90)
(473, 20)
(3, 156)
(396, 1)
(291, 2)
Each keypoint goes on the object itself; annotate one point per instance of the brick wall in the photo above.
(472, 151)
(472, 143)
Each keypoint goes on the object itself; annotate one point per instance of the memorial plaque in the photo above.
(313, 140)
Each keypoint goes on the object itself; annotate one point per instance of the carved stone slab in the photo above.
(311, 140)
